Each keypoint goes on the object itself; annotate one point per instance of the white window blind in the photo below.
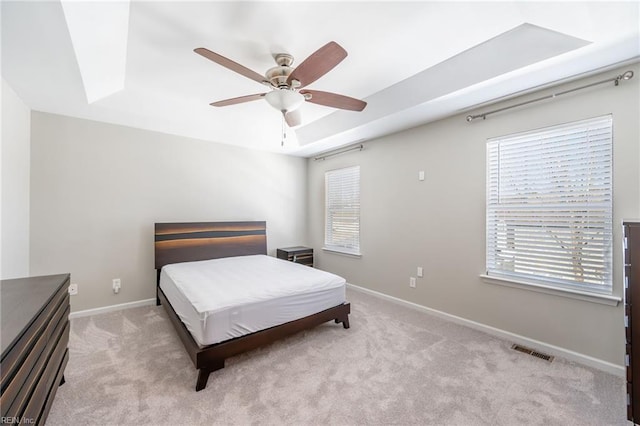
(549, 206)
(342, 216)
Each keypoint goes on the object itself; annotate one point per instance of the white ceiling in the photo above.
(132, 63)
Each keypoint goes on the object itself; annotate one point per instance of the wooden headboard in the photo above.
(188, 242)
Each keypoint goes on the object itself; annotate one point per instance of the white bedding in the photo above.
(221, 299)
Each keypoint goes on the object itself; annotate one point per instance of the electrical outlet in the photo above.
(412, 282)
(73, 289)
(116, 285)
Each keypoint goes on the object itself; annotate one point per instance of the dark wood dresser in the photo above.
(298, 254)
(632, 316)
(35, 334)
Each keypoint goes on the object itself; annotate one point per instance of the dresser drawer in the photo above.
(628, 363)
(302, 258)
(629, 401)
(16, 354)
(35, 335)
(52, 392)
(47, 383)
(30, 374)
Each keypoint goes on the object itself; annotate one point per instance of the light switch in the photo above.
(421, 175)
(420, 271)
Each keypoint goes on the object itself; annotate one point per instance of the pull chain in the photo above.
(284, 130)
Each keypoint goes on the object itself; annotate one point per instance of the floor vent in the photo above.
(531, 352)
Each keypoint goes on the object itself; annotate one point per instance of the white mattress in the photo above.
(221, 299)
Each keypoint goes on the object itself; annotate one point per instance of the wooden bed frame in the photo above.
(186, 242)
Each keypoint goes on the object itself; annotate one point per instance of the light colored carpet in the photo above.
(394, 365)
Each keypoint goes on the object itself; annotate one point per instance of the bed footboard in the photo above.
(211, 358)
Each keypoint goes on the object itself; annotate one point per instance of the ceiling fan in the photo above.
(288, 84)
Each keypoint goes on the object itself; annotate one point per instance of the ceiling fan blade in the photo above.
(334, 100)
(318, 64)
(238, 100)
(293, 118)
(228, 63)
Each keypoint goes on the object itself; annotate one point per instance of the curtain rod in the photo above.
(628, 75)
(359, 147)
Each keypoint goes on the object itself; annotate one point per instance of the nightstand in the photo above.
(299, 254)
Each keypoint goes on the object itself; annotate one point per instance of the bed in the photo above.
(241, 312)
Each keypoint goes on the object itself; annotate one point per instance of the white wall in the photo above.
(97, 189)
(439, 224)
(14, 231)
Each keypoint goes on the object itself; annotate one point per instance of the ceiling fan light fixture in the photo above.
(284, 100)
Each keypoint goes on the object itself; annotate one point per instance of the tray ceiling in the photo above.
(132, 63)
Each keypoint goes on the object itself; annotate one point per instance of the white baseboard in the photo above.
(112, 308)
(599, 364)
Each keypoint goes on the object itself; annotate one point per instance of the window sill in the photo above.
(343, 253)
(541, 288)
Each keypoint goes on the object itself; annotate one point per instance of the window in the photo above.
(342, 215)
(549, 206)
